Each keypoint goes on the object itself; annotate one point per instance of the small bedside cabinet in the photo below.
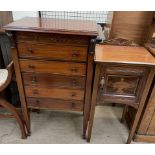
(122, 75)
(53, 64)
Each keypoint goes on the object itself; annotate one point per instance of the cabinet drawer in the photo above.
(123, 70)
(55, 52)
(48, 92)
(59, 81)
(55, 104)
(56, 67)
(47, 38)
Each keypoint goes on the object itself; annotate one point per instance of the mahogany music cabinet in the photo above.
(53, 61)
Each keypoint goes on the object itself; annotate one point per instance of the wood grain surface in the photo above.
(123, 54)
(52, 52)
(55, 67)
(47, 92)
(55, 104)
(50, 25)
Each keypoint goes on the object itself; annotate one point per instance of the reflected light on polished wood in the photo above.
(54, 25)
(123, 54)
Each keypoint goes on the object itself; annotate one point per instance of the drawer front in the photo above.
(123, 70)
(47, 92)
(55, 67)
(54, 104)
(58, 81)
(47, 38)
(121, 83)
(56, 52)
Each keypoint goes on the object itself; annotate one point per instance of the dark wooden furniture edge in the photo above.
(19, 81)
(85, 33)
(150, 49)
(90, 71)
(144, 138)
(48, 30)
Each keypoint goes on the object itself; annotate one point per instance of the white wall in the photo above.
(20, 14)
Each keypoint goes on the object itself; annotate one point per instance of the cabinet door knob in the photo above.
(31, 66)
(102, 83)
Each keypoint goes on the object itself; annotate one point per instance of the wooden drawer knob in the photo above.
(36, 37)
(73, 105)
(35, 92)
(30, 50)
(74, 82)
(74, 70)
(75, 54)
(37, 101)
(31, 66)
(34, 79)
(73, 94)
(54, 39)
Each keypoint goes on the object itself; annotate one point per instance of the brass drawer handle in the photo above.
(31, 66)
(74, 69)
(102, 83)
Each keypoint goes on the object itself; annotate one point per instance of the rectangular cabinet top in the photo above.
(50, 25)
(123, 54)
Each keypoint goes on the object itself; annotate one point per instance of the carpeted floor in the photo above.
(50, 127)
